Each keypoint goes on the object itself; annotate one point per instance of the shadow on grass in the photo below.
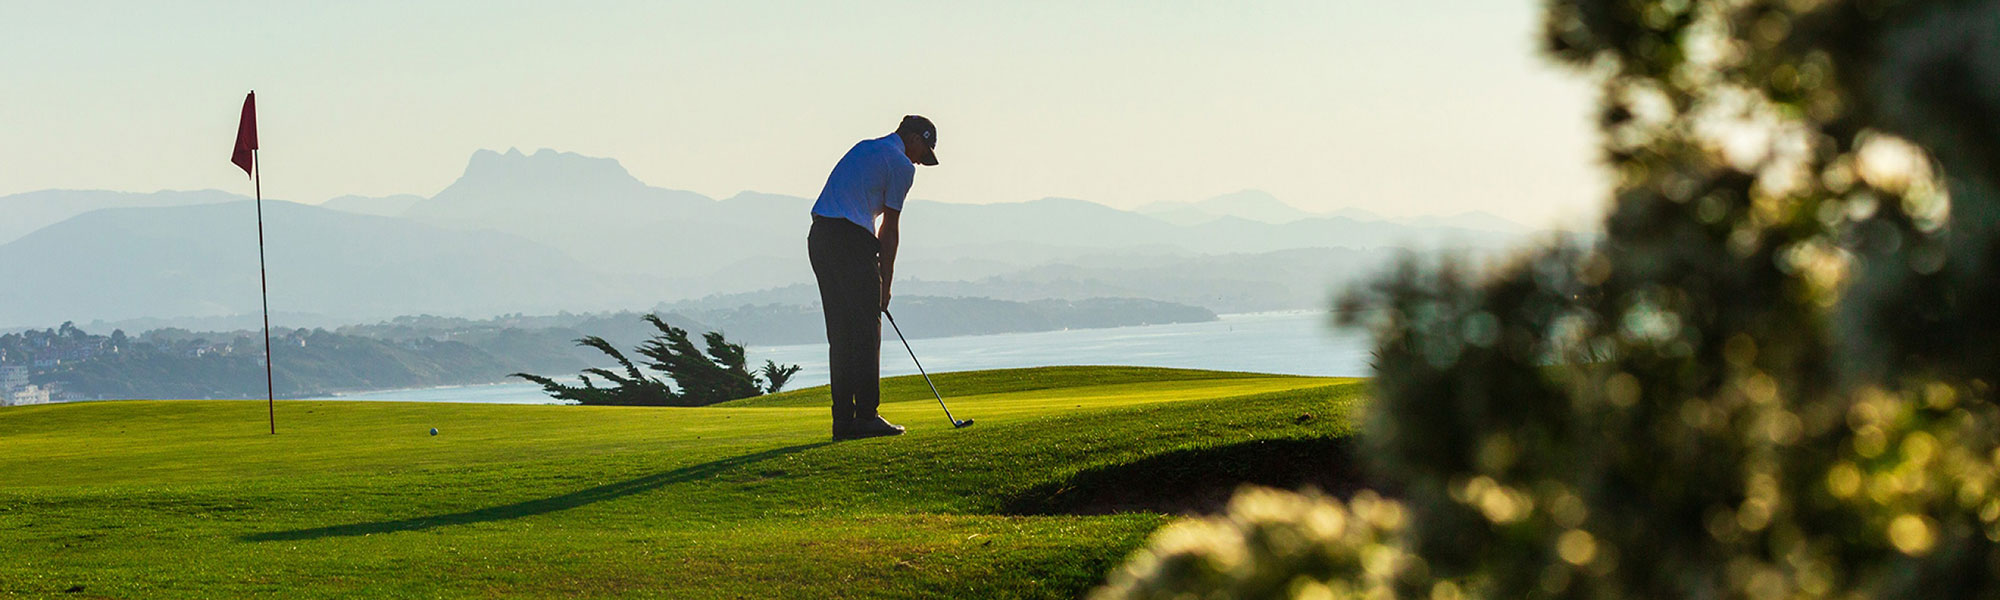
(1198, 481)
(517, 510)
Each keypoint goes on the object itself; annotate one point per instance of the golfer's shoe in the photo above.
(843, 430)
(875, 426)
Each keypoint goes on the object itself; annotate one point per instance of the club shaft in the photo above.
(920, 366)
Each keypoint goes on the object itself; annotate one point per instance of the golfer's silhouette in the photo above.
(855, 262)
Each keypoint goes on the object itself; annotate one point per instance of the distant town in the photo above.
(66, 363)
(30, 360)
(16, 391)
(23, 354)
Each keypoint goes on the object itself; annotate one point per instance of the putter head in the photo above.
(961, 424)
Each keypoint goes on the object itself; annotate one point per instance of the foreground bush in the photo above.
(1770, 379)
(1272, 544)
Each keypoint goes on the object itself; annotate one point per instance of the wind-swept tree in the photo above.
(698, 379)
(776, 375)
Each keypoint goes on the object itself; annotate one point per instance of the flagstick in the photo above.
(264, 290)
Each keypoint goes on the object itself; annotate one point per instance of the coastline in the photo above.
(1304, 345)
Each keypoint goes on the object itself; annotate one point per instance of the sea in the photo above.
(1288, 342)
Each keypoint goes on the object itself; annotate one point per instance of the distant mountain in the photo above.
(1475, 221)
(196, 261)
(1356, 214)
(385, 206)
(1254, 205)
(597, 212)
(555, 230)
(1249, 205)
(522, 193)
(35, 210)
(1261, 207)
(1048, 221)
(1228, 283)
(594, 210)
(1087, 226)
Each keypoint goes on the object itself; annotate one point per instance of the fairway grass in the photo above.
(195, 499)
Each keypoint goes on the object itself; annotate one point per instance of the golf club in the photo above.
(955, 423)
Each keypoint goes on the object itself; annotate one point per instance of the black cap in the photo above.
(918, 128)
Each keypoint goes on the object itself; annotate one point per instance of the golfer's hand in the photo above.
(885, 297)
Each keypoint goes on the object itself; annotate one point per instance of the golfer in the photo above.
(854, 260)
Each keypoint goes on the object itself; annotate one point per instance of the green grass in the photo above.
(194, 499)
(913, 388)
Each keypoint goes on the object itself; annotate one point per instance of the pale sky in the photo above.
(1401, 108)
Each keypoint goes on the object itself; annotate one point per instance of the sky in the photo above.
(1424, 107)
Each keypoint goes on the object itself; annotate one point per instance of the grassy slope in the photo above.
(165, 499)
(959, 384)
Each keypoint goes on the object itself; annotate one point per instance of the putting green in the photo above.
(194, 499)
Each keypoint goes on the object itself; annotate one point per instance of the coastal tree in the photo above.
(698, 379)
(776, 375)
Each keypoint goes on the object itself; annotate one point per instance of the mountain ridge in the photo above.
(201, 260)
(594, 235)
(1260, 206)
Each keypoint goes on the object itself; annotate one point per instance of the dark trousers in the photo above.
(844, 259)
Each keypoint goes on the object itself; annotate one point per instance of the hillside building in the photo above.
(13, 377)
(30, 394)
(16, 391)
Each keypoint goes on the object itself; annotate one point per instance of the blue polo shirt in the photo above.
(873, 176)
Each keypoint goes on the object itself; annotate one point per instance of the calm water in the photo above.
(1298, 342)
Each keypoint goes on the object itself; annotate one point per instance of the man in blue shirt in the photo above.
(855, 260)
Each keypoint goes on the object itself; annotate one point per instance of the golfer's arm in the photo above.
(890, 234)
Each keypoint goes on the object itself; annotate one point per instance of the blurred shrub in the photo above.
(1769, 379)
(1272, 544)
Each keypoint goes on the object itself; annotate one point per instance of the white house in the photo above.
(16, 391)
(32, 394)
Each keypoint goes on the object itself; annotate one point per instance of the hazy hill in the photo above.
(1253, 205)
(385, 206)
(552, 231)
(588, 207)
(594, 210)
(1475, 220)
(1228, 283)
(1261, 207)
(34, 210)
(202, 261)
(518, 193)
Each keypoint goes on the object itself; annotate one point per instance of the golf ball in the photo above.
(434, 431)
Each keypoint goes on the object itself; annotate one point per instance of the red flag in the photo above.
(246, 134)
